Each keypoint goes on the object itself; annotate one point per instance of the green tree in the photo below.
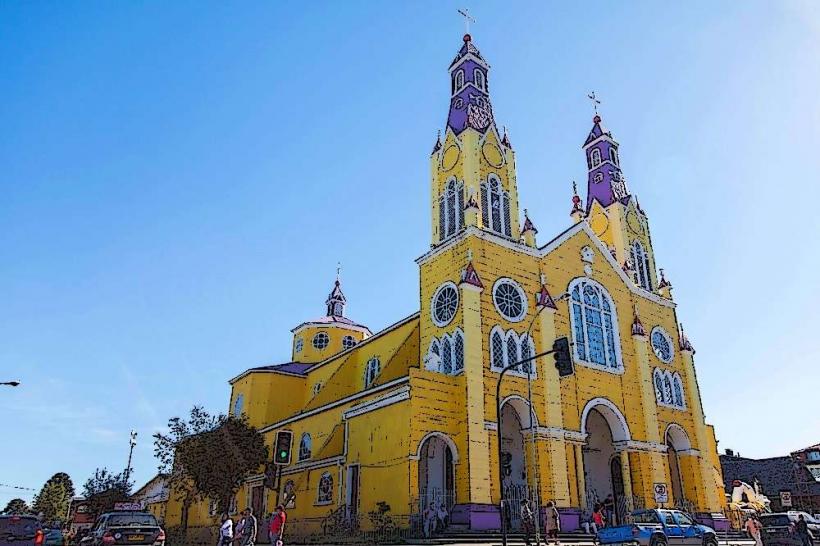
(16, 506)
(104, 489)
(53, 499)
(208, 456)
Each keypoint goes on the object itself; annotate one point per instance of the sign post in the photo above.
(786, 499)
(661, 493)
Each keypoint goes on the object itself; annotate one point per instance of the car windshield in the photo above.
(131, 519)
(18, 526)
(775, 520)
(645, 517)
(683, 519)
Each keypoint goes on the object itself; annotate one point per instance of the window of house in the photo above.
(325, 492)
(321, 340)
(594, 325)
(509, 299)
(595, 157)
(510, 347)
(305, 447)
(662, 344)
(478, 76)
(495, 206)
(458, 80)
(669, 389)
(237, 405)
(444, 304)
(451, 209)
(446, 355)
(297, 348)
(372, 370)
(613, 155)
(348, 342)
(640, 260)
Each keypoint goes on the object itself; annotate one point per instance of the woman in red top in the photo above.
(277, 526)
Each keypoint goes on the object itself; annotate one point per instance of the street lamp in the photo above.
(10, 383)
(132, 442)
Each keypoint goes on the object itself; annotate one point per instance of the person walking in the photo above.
(753, 527)
(277, 526)
(553, 522)
(527, 520)
(609, 510)
(225, 531)
(248, 537)
(802, 529)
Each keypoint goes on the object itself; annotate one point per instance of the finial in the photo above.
(595, 103)
(576, 202)
(543, 297)
(505, 140)
(467, 20)
(664, 283)
(437, 145)
(685, 344)
(338, 271)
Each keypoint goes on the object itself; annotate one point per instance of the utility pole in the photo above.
(132, 442)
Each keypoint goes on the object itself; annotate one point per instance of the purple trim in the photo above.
(477, 517)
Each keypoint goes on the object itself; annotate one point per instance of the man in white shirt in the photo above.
(226, 531)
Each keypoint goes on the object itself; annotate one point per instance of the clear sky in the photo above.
(179, 180)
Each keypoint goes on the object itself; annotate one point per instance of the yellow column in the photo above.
(478, 467)
(579, 475)
(626, 472)
(554, 420)
(648, 403)
(695, 406)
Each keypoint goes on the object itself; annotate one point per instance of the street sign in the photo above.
(786, 499)
(661, 493)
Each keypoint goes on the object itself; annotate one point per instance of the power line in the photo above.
(17, 487)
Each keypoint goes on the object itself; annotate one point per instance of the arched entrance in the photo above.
(514, 419)
(436, 471)
(677, 442)
(604, 426)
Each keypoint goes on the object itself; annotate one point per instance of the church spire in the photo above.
(606, 183)
(336, 299)
(469, 93)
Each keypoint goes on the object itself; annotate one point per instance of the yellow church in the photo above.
(407, 415)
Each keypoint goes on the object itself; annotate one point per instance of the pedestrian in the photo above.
(527, 520)
(248, 537)
(802, 529)
(753, 527)
(441, 518)
(430, 518)
(588, 522)
(553, 522)
(609, 510)
(277, 526)
(598, 517)
(225, 531)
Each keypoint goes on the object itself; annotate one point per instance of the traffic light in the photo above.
(281, 455)
(563, 359)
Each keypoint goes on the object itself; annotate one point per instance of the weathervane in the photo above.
(595, 101)
(467, 19)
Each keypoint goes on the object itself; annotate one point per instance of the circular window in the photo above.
(298, 346)
(348, 342)
(445, 303)
(509, 300)
(237, 405)
(321, 340)
(662, 344)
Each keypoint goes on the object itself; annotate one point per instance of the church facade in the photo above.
(407, 415)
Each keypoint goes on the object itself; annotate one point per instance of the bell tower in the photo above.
(473, 166)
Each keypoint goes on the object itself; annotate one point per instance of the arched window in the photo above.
(658, 386)
(594, 325)
(458, 80)
(478, 76)
(451, 209)
(371, 371)
(433, 360)
(495, 206)
(446, 356)
(325, 492)
(595, 157)
(305, 447)
(678, 391)
(613, 155)
(509, 347)
(640, 260)
(667, 390)
(497, 350)
(527, 351)
(512, 348)
(458, 350)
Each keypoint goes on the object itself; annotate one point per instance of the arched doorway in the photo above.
(677, 442)
(514, 418)
(604, 426)
(436, 472)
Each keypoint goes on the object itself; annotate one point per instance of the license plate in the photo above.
(136, 538)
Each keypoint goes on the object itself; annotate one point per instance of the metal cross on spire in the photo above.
(338, 270)
(467, 19)
(595, 101)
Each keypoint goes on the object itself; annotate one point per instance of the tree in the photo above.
(16, 506)
(208, 457)
(53, 499)
(104, 489)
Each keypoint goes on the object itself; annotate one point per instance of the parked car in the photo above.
(21, 531)
(778, 528)
(53, 536)
(659, 528)
(126, 527)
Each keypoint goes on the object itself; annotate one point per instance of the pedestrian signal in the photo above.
(563, 359)
(281, 455)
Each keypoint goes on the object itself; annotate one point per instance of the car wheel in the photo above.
(710, 541)
(657, 541)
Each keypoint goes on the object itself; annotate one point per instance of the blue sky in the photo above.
(179, 180)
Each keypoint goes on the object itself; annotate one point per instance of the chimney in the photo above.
(730, 453)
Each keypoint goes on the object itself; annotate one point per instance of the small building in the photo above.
(810, 457)
(773, 476)
(154, 496)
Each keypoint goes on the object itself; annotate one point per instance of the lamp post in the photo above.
(132, 442)
(10, 383)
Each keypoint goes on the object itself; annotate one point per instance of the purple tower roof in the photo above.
(606, 183)
(469, 97)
